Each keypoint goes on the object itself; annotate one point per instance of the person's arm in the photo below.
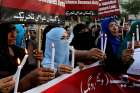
(89, 55)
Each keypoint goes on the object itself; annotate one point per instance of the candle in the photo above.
(105, 42)
(53, 56)
(137, 30)
(101, 41)
(123, 26)
(17, 76)
(133, 41)
(73, 56)
(39, 44)
(24, 59)
(128, 44)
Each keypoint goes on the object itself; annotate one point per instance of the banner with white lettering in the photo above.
(81, 7)
(108, 8)
(93, 79)
(32, 10)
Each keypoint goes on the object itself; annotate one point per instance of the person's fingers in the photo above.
(8, 84)
(45, 74)
(47, 70)
(6, 79)
(40, 79)
(66, 67)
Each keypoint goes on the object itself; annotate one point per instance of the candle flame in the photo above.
(18, 61)
(26, 51)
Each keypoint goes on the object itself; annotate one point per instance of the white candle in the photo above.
(137, 30)
(101, 41)
(123, 26)
(105, 42)
(17, 76)
(133, 41)
(53, 56)
(128, 44)
(73, 56)
(24, 59)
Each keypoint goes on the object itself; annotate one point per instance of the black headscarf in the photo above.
(82, 40)
(5, 28)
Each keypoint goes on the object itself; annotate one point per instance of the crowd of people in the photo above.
(117, 57)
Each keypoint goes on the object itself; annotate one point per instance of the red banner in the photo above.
(108, 8)
(56, 7)
(33, 11)
(81, 7)
(91, 80)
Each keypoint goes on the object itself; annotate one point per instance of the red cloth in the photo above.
(94, 78)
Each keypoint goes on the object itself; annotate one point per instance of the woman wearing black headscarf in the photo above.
(82, 37)
(9, 53)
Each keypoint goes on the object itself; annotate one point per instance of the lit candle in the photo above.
(133, 41)
(101, 41)
(73, 56)
(105, 42)
(17, 76)
(53, 56)
(24, 59)
(137, 30)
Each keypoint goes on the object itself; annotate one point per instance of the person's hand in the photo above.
(96, 54)
(7, 84)
(38, 55)
(127, 55)
(81, 65)
(136, 44)
(41, 75)
(62, 69)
